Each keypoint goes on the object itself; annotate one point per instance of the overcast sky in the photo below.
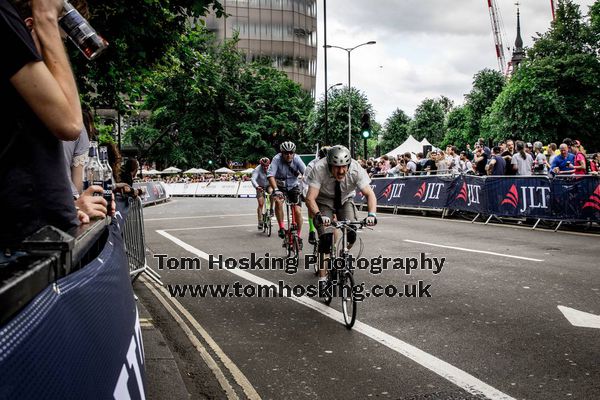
(425, 48)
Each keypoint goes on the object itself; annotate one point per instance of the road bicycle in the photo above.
(291, 240)
(340, 271)
(267, 213)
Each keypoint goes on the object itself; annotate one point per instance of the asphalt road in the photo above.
(492, 327)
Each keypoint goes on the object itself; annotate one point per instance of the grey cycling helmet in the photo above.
(338, 156)
(287, 147)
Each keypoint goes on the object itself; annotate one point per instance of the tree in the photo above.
(395, 130)
(458, 128)
(337, 116)
(225, 109)
(139, 33)
(428, 122)
(487, 85)
(556, 93)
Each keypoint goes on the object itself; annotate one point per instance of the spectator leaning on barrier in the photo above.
(480, 161)
(497, 165)
(563, 163)
(579, 165)
(540, 163)
(465, 165)
(40, 108)
(522, 162)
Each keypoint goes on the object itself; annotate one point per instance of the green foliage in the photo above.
(429, 121)
(225, 109)
(556, 93)
(396, 130)
(337, 117)
(458, 128)
(139, 34)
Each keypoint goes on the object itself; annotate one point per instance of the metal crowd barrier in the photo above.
(135, 242)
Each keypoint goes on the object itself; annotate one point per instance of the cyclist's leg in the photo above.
(294, 196)
(348, 212)
(260, 198)
(279, 213)
(269, 199)
(325, 240)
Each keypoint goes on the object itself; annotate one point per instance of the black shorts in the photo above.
(293, 194)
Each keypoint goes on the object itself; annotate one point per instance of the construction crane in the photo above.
(498, 36)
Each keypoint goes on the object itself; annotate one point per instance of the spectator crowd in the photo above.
(508, 158)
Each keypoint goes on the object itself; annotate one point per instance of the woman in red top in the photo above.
(595, 164)
(580, 166)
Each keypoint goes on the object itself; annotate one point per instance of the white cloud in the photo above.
(425, 48)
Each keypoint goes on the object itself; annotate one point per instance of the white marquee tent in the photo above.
(410, 145)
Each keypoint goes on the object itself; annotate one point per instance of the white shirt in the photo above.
(320, 177)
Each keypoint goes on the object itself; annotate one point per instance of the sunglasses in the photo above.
(287, 153)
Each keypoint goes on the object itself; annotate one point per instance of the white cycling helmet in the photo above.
(287, 147)
(338, 156)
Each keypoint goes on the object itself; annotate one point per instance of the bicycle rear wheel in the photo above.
(317, 257)
(295, 251)
(348, 299)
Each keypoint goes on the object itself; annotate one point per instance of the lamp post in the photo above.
(336, 85)
(349, 50)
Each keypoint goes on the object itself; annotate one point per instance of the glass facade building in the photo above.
(283, 30)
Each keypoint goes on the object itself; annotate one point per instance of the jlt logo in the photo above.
(393, 191)
(124, 389)
(429, 191)
(469, 194)
(533, 197)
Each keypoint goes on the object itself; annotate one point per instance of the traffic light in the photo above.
(365, 125)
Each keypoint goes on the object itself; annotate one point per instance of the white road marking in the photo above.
(209, 227)
(580, 318)
(210, 362)
(197, 216)
(474, 251)
(447, 371)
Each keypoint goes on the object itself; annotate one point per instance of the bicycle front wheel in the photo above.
(348, 299)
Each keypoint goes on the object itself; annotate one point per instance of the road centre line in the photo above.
(473, 251)
(197, 216)
(447, 371)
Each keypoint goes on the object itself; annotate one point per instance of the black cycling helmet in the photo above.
(338, 156)
(323, 151)
(287, 147)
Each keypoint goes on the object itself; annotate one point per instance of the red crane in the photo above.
(497, 31)
(552, 5)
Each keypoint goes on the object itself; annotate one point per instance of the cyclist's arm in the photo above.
(273, 183)
(311, 200)
(371, 199)
(254, 179)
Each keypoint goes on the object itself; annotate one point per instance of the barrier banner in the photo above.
(378, 186)
(576, 198)
(466, 193)
(527, 196)
(153, 192)
(246, 189)
(80, 338)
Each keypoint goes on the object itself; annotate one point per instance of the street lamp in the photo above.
(336, 85)
(349, 50)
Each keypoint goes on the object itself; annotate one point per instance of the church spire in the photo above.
(518, 52)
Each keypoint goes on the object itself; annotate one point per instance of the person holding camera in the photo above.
(40, 108)
(563, 163)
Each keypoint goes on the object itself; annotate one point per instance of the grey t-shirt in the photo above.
(76, 153)
(320, 177)
(523, 165)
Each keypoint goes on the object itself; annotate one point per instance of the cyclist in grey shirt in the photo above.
(283, 175)
(337, 173)
(261, 184)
